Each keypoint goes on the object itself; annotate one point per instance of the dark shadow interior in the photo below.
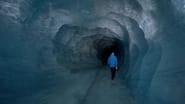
(106, 46)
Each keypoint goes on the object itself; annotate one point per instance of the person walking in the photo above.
(113, 64)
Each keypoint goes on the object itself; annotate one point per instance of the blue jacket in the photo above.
(112, 61)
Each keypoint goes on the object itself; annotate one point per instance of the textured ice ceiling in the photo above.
(51, 51)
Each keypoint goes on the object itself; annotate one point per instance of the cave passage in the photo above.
(106, 46)
(56, 51)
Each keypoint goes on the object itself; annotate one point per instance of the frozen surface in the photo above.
(48, 53)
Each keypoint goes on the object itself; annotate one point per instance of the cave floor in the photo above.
(106, 91)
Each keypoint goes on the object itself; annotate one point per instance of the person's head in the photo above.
(112, 53)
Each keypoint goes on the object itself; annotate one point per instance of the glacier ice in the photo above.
(54, 52)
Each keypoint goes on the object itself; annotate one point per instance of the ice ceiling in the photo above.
(54, 51)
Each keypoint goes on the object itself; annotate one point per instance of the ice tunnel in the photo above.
(55, 51)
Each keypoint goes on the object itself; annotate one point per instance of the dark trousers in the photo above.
(113, 72)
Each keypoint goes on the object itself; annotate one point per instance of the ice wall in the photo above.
(48, 50)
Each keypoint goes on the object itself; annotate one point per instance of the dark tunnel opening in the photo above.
(106, 46)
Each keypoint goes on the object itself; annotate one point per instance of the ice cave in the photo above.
(55, 51)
